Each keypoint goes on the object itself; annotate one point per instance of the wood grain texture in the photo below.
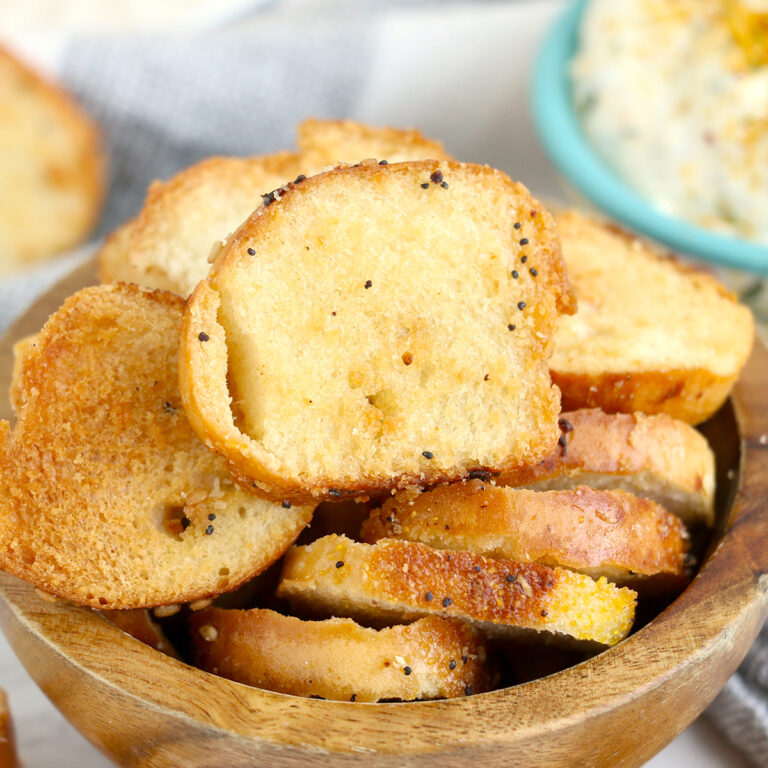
(613, 711)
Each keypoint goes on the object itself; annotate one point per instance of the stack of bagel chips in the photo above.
(371, 344)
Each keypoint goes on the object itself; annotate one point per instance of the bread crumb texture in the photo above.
(650, 335)
(376, 326)
(51, 165)
(395, 580)
(627, 539)
(339, 659)
(108, 497)
(168, 243)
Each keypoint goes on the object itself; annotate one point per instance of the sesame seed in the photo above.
(444, 185)
(199, 605)
(521, 305)
(510, 577)
(515, 274)
(425, 185)
(524, 241)
(523, 259)
(353, 697)
(383, 162)
(203, 336)
(368, 283)
(468, 690)
(208, 632)
(164, 611)
(446, 602)
(334, 492)
(545, 614)
(428, 596)
(211, 517)
(452, 664)
(511, 327)
(477, 569)
(437, 177)
(286, 504)
(517, 225)
(251, 252)
(167, 407)
(486, 377)
(299, 178)
(448, 528)
(407, 670)
(565, 425)
(209, 530)
(534, 271)
(407, 358)
(479, 474)
(339, 563)
(464, 659)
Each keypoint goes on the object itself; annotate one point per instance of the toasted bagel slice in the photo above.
(51, 165)
(432, 658)
(330, 142)
(651, 335)
(631, 541)
(656, 457)
(396, 580)
(108, 497)
(167, 245)
(378, 326)
(140, 625)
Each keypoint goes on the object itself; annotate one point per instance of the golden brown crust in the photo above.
(140, 625)
(8, 757)
(108, 497)
(50, 201)
(633, 542)
(222, 375)
(656, 457)
(402, 580)
(15, 393)
(337, 658)
(689, 395)
(652, 334)
(330, 142)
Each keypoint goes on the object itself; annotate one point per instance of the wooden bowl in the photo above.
(617, 709)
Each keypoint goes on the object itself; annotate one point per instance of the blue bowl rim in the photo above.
(561, 135)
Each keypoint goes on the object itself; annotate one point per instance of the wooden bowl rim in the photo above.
(729, 593)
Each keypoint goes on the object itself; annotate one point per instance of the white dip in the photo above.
(678, 107)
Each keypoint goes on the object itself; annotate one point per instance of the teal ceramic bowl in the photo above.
(568, 148)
